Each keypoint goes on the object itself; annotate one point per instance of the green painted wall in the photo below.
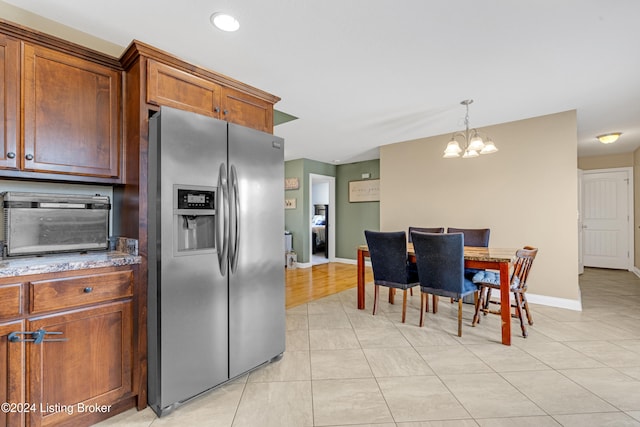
(297, 220)
(351, 218)
(354, 218)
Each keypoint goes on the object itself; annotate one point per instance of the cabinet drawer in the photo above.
(55, 294)
(11, 297)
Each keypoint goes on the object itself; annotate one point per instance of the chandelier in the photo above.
(473, 143)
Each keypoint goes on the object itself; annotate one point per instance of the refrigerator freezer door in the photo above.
(256, 285)
(188, 329)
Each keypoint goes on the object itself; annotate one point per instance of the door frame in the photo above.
(630, 210)
(332, 214)
(580, 249)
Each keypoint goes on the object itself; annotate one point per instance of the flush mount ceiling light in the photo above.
(609, 138)
(471, 140)
(224, 22)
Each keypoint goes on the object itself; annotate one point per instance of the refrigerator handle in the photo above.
(235, 217)
(222, 219)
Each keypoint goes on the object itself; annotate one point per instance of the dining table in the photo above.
(474, 257)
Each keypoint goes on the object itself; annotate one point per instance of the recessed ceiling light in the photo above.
(225, 22)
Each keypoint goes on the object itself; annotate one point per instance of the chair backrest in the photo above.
(440, 260)
(388, 254)
(522, 266)
(425, 230)
(473, 236)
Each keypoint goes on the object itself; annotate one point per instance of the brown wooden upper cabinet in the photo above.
(9, 101)
(172, 87)
(71, 115)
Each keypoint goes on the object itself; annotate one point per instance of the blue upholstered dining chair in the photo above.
(478, 237)
(488, 280)
(425, 230)
(388, 254)
(440, 260)
(412, 265)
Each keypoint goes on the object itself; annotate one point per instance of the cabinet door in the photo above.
(9, 102)
(245, 110)
(71, 114)
(11, 375)
(90, 369)
(175, 88)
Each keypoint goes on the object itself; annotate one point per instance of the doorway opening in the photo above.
(322, 219)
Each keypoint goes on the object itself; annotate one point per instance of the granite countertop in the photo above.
(22, 266)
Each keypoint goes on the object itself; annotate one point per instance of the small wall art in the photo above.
(364, 191)
(291, 184)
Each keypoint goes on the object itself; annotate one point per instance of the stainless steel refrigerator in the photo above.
(215, 236)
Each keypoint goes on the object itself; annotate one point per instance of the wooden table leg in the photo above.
(360, 279)
(505, 305)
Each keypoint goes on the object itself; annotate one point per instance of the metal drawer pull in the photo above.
(88, 289)
(37, 337)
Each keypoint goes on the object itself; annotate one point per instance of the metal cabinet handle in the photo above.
(87, 289)
(11, 155)
(29, 157)
(216, 109)
(37, 337)
(225, 112)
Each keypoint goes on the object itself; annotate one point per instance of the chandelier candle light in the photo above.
(473, 143)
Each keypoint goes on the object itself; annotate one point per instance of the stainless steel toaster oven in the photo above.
(41, 223)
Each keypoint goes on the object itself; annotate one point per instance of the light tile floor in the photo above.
(345, 367)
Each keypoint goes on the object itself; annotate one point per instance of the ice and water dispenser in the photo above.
(194, 219)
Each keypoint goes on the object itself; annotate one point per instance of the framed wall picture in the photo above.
(364, 191)
(291, 184)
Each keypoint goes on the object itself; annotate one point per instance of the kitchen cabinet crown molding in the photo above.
(137, 48)
(42, 39)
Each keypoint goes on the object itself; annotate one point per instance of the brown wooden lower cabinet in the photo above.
(86, 373)
(71, 363)
(11, 375)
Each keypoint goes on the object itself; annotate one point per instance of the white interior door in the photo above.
(606, 218)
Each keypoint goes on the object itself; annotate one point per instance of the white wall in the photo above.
(320, 193)
(526, 193)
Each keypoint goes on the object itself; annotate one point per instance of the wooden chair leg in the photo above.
(422, 299)
(478, 300)
(376, 294)
(460, 317)
(411, 291)
(487, 299)
(516, 296)
(434, 300)
(426, 302)
(404, 305)
(526, 309)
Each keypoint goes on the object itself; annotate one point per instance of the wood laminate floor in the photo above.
(304, 285)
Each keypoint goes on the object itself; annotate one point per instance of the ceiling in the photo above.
(364, 73)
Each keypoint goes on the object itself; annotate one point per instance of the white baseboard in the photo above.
(635, 270)
(351, 261)
(565, 303)
(569, 304)
(303, 264)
